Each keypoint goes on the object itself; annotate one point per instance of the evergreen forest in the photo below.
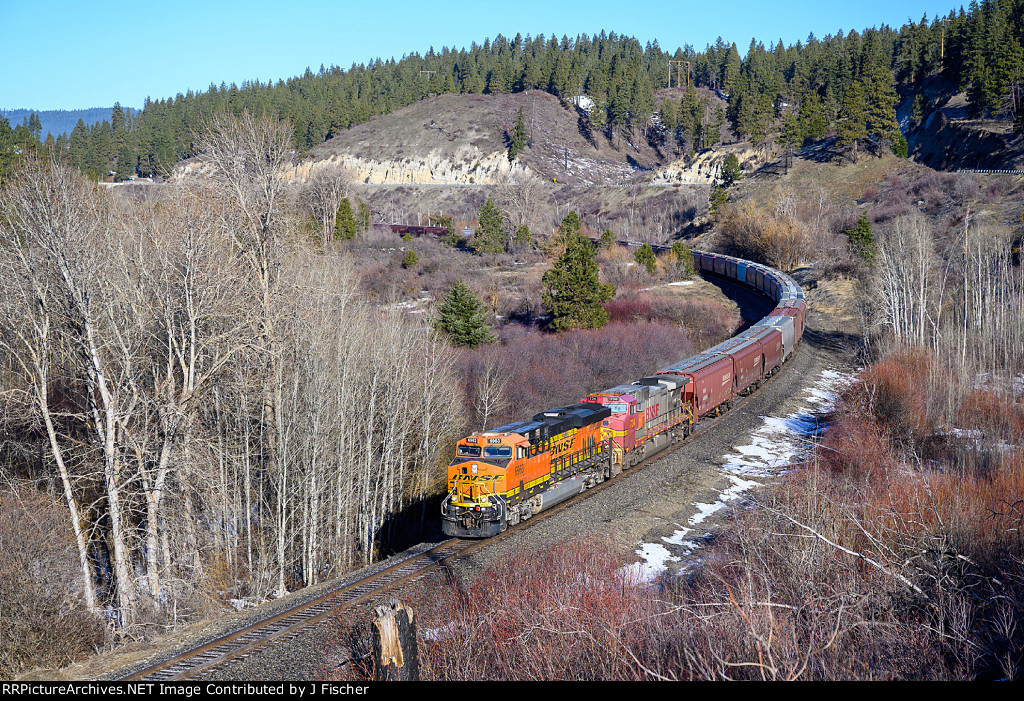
(849, 82)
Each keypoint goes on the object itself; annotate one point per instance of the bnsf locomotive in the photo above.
(506, 475)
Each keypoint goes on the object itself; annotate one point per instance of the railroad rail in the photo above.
(235, 646)
(225, 650)
(232, 647)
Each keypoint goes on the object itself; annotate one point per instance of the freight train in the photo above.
(504, 476)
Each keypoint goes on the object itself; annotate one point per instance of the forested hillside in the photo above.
(848, 82)
(57, 122)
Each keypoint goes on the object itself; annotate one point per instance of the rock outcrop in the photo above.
(469, 168)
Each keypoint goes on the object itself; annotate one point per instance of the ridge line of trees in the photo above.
(978, 49)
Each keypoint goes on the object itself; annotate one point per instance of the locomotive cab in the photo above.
(477, 499)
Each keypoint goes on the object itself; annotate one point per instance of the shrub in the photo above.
(44, 621)
(547, 370)
(574, 619)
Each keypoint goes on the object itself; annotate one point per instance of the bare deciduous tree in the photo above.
(323, 195)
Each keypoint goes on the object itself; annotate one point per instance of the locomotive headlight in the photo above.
(474, 468)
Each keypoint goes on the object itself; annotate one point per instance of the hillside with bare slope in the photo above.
(462, 140)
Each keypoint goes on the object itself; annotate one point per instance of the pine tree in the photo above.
(645, 256)
(363, 218)
(731, 171)
(345, 223)
(570, 224)
(410, 259)
(684, 256)
(522, 239)
(573, 293)
(853, 118)
(462, 317)
(881, 106)
(719, 198)
(862, 239)
(813, 122)
(490, 234)
(8, 150)
(517, 141)
(790, 137)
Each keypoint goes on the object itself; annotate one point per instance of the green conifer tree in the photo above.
(517, 140)
(813, 122)
(731, 171)
(573, 292)
(410, 259)
(862, 239)
(881, 106)
(363, 218)
(8, 149)
(684, 256)
(522, 239)
(853, 119)
(344, 223)
(490, 234)
(462, 317)
(645, 256)
(718, 199)
(791, 137)
(570, 224)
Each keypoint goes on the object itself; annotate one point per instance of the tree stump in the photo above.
(394, 643)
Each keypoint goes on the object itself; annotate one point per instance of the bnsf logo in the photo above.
(651, 412)
(560, 447)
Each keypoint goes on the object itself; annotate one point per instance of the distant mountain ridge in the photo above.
(59, 122)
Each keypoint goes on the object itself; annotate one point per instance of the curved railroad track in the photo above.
(223, 651)
(235, 646)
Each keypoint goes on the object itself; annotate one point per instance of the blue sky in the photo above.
(60, 54)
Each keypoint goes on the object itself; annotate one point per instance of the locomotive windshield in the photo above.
(468, 451)
(617, 408)
(500, 451)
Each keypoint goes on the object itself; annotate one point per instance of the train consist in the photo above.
(501, 477)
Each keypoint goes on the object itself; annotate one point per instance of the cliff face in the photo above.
(468, 168)
(948, 138)
(706, 169)
(463, 140)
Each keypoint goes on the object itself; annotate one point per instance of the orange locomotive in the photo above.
(503, 476)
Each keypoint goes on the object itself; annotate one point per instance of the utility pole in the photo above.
(679, 68)
(942, 45)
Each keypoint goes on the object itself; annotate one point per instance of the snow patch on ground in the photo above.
(775, 447)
